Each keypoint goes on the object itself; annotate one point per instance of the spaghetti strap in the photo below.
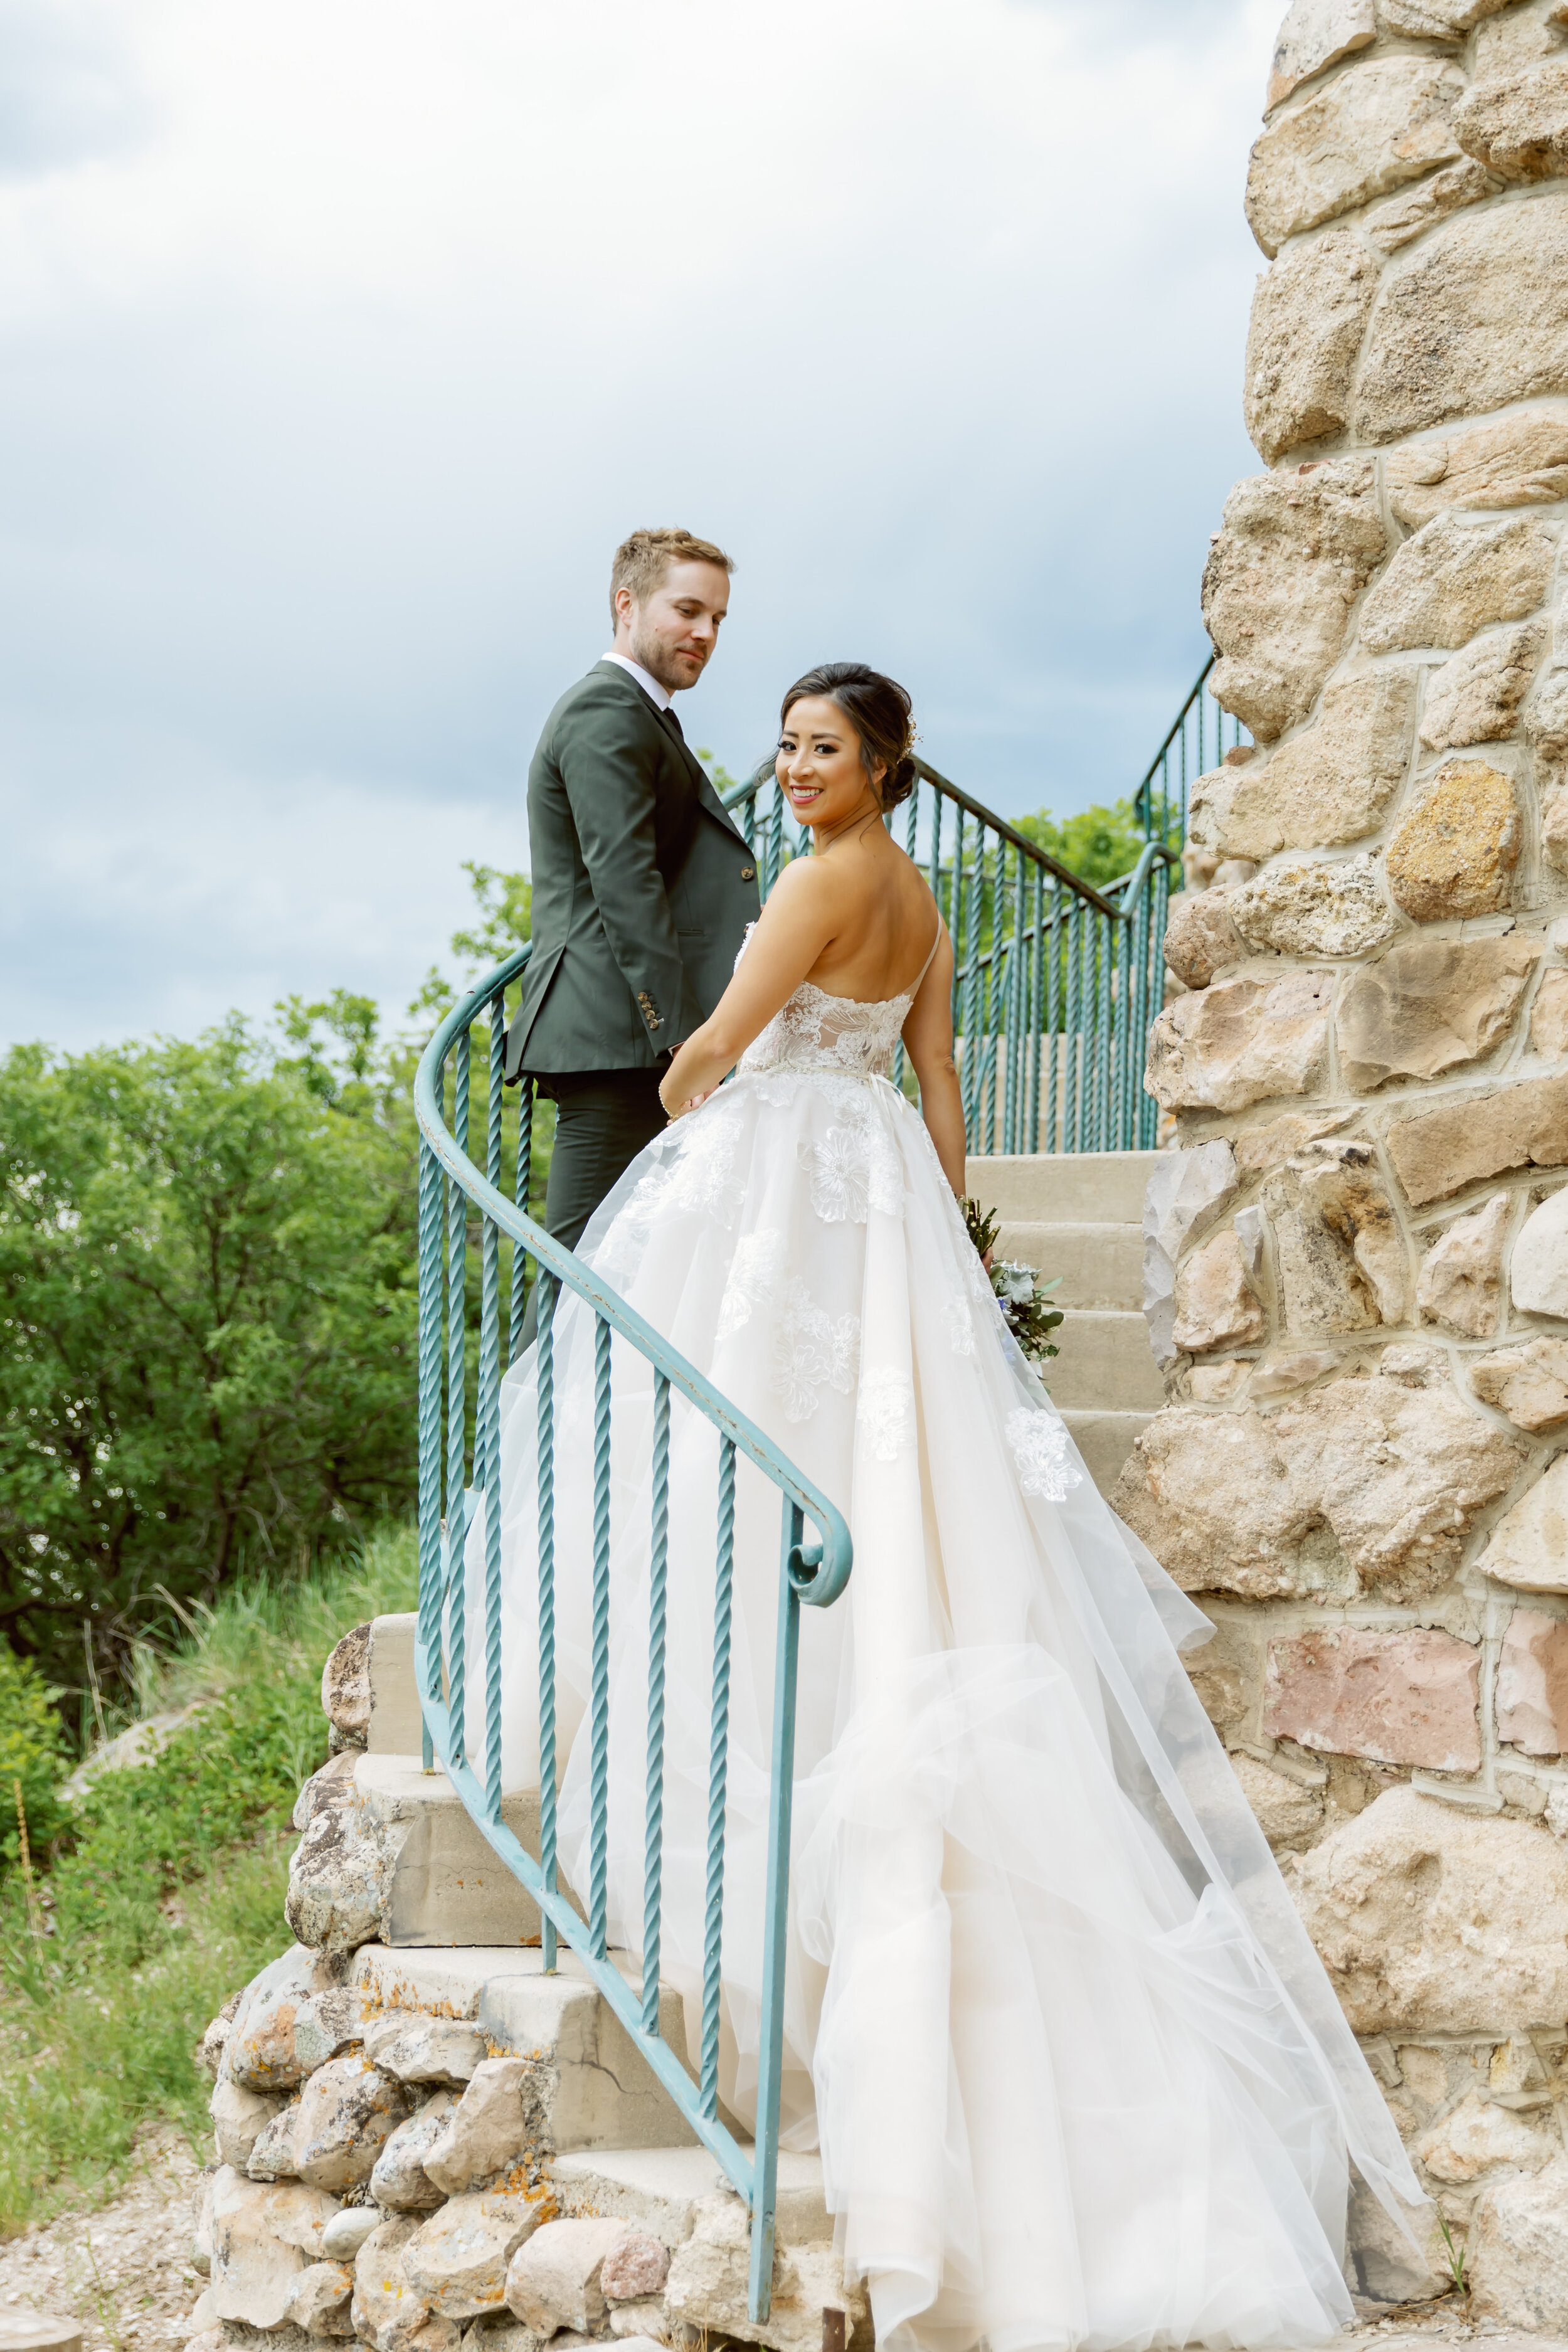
(930, 960)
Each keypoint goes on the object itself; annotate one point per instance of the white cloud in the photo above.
(338, 343)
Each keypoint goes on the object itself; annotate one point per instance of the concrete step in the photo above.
(1105, 1440)
(1065, 1187)
(1106, 1364)
(1100, 1265)
(660, 2186)
(591, 2088)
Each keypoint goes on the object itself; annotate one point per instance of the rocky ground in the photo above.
(123, 2268)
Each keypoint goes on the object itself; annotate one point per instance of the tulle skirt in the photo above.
(1077, 2076)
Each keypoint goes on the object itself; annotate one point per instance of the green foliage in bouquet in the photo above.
(1023, 1298)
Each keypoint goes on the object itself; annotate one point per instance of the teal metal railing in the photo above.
(1055, 984)
(1194, 742)
(458, 1666)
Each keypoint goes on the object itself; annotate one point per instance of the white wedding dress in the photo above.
(1076, 2073)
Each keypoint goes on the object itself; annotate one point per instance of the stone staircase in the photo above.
(1080, 1214)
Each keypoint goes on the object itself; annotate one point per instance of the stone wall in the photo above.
(1358, 1263)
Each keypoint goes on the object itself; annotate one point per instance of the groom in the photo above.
(642, 887)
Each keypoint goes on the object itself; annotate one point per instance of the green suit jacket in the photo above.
(642, 887)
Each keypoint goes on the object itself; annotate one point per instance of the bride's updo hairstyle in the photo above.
(879, 711)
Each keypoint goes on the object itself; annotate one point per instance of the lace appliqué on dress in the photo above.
(960, 1324)
(811, 1350)
(1040, 1445)
(754, 1272)
(853, 1171)
(885, 1411)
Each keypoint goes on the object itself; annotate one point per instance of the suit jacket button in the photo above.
(748, 873)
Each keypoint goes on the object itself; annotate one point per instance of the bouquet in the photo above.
(1023, 1298)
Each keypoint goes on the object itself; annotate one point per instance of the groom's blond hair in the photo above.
(643, 559)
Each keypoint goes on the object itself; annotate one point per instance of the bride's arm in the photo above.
(928, 1041)
(800, 919)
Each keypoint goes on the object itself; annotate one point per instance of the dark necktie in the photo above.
(671, 721)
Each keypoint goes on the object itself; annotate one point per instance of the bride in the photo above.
(1077, 2076)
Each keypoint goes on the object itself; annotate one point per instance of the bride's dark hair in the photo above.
(881, 713)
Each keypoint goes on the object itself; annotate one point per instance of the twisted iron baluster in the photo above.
(430, 1415)
(718, 1772)
(1038, 1041)
(489, 1418)
(456, 1406)
(544, 1359)
(519, 1303)
(599, 1701)
(657, 1598)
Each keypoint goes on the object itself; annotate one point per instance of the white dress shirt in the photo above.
(660, 696)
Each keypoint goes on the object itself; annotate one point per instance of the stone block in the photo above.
(272, 2157)
(1216, 1304)
(1361, 1484)
(260, 2054)
(1546, 728)
(1200, 938)
(387, 2313)
(554, 2278)
(1519, 461)
(1314, 908)
(1315, 33)
(331, 1786)
(1309, 316)
(239, 2118)
(457, 2262)
(1554, 833)
(1289, 1815)
(1529, 1383)
(1297, 1367)
(1329, 784)
(320, 2299)
(708, 2276)
(444, 1883)
(1538, 1274)
(1437, 1152)
(1475, 697)
(263, 2237)
(1241, 1040)
(424, 2049)
(347, 2230)
(348, 2110)
(489, 2129)
(1549, 1016)
(1382, 2264)
(1339, 1254)
(1430, 1005)
(1293, 552)
(660, 2190)
(1461, 1281)
(1517, 125)
(395, 1727)
(1370, 130)
(1399, 1698)
(1228, 1672)
(1185, 1192)
(1532, 1684)
(1434, 20)
(1516, 2251)
(399, 2179)
(345, 1685)
(634, 2268)
(1433, 1919)
(1473, 323)
(1412, 213)
(1454, 578)
(588, 2085)
(1528, 1546)
(1477, 2137)
(1258, 1148)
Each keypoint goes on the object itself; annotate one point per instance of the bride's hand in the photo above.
(692, 1102)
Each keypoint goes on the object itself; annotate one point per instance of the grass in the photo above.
(169, 1894)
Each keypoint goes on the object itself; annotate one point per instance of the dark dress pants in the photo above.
(603, 1120)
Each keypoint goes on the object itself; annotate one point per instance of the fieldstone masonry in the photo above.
(1358, 1263)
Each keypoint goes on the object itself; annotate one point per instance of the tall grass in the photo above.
(169, 1894)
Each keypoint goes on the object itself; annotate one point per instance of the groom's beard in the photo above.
(674, 675)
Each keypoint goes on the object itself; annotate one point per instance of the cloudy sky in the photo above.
(342, 339)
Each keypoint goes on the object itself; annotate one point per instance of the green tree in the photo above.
(504, 919)
(208, 1301)
(1098, 845)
